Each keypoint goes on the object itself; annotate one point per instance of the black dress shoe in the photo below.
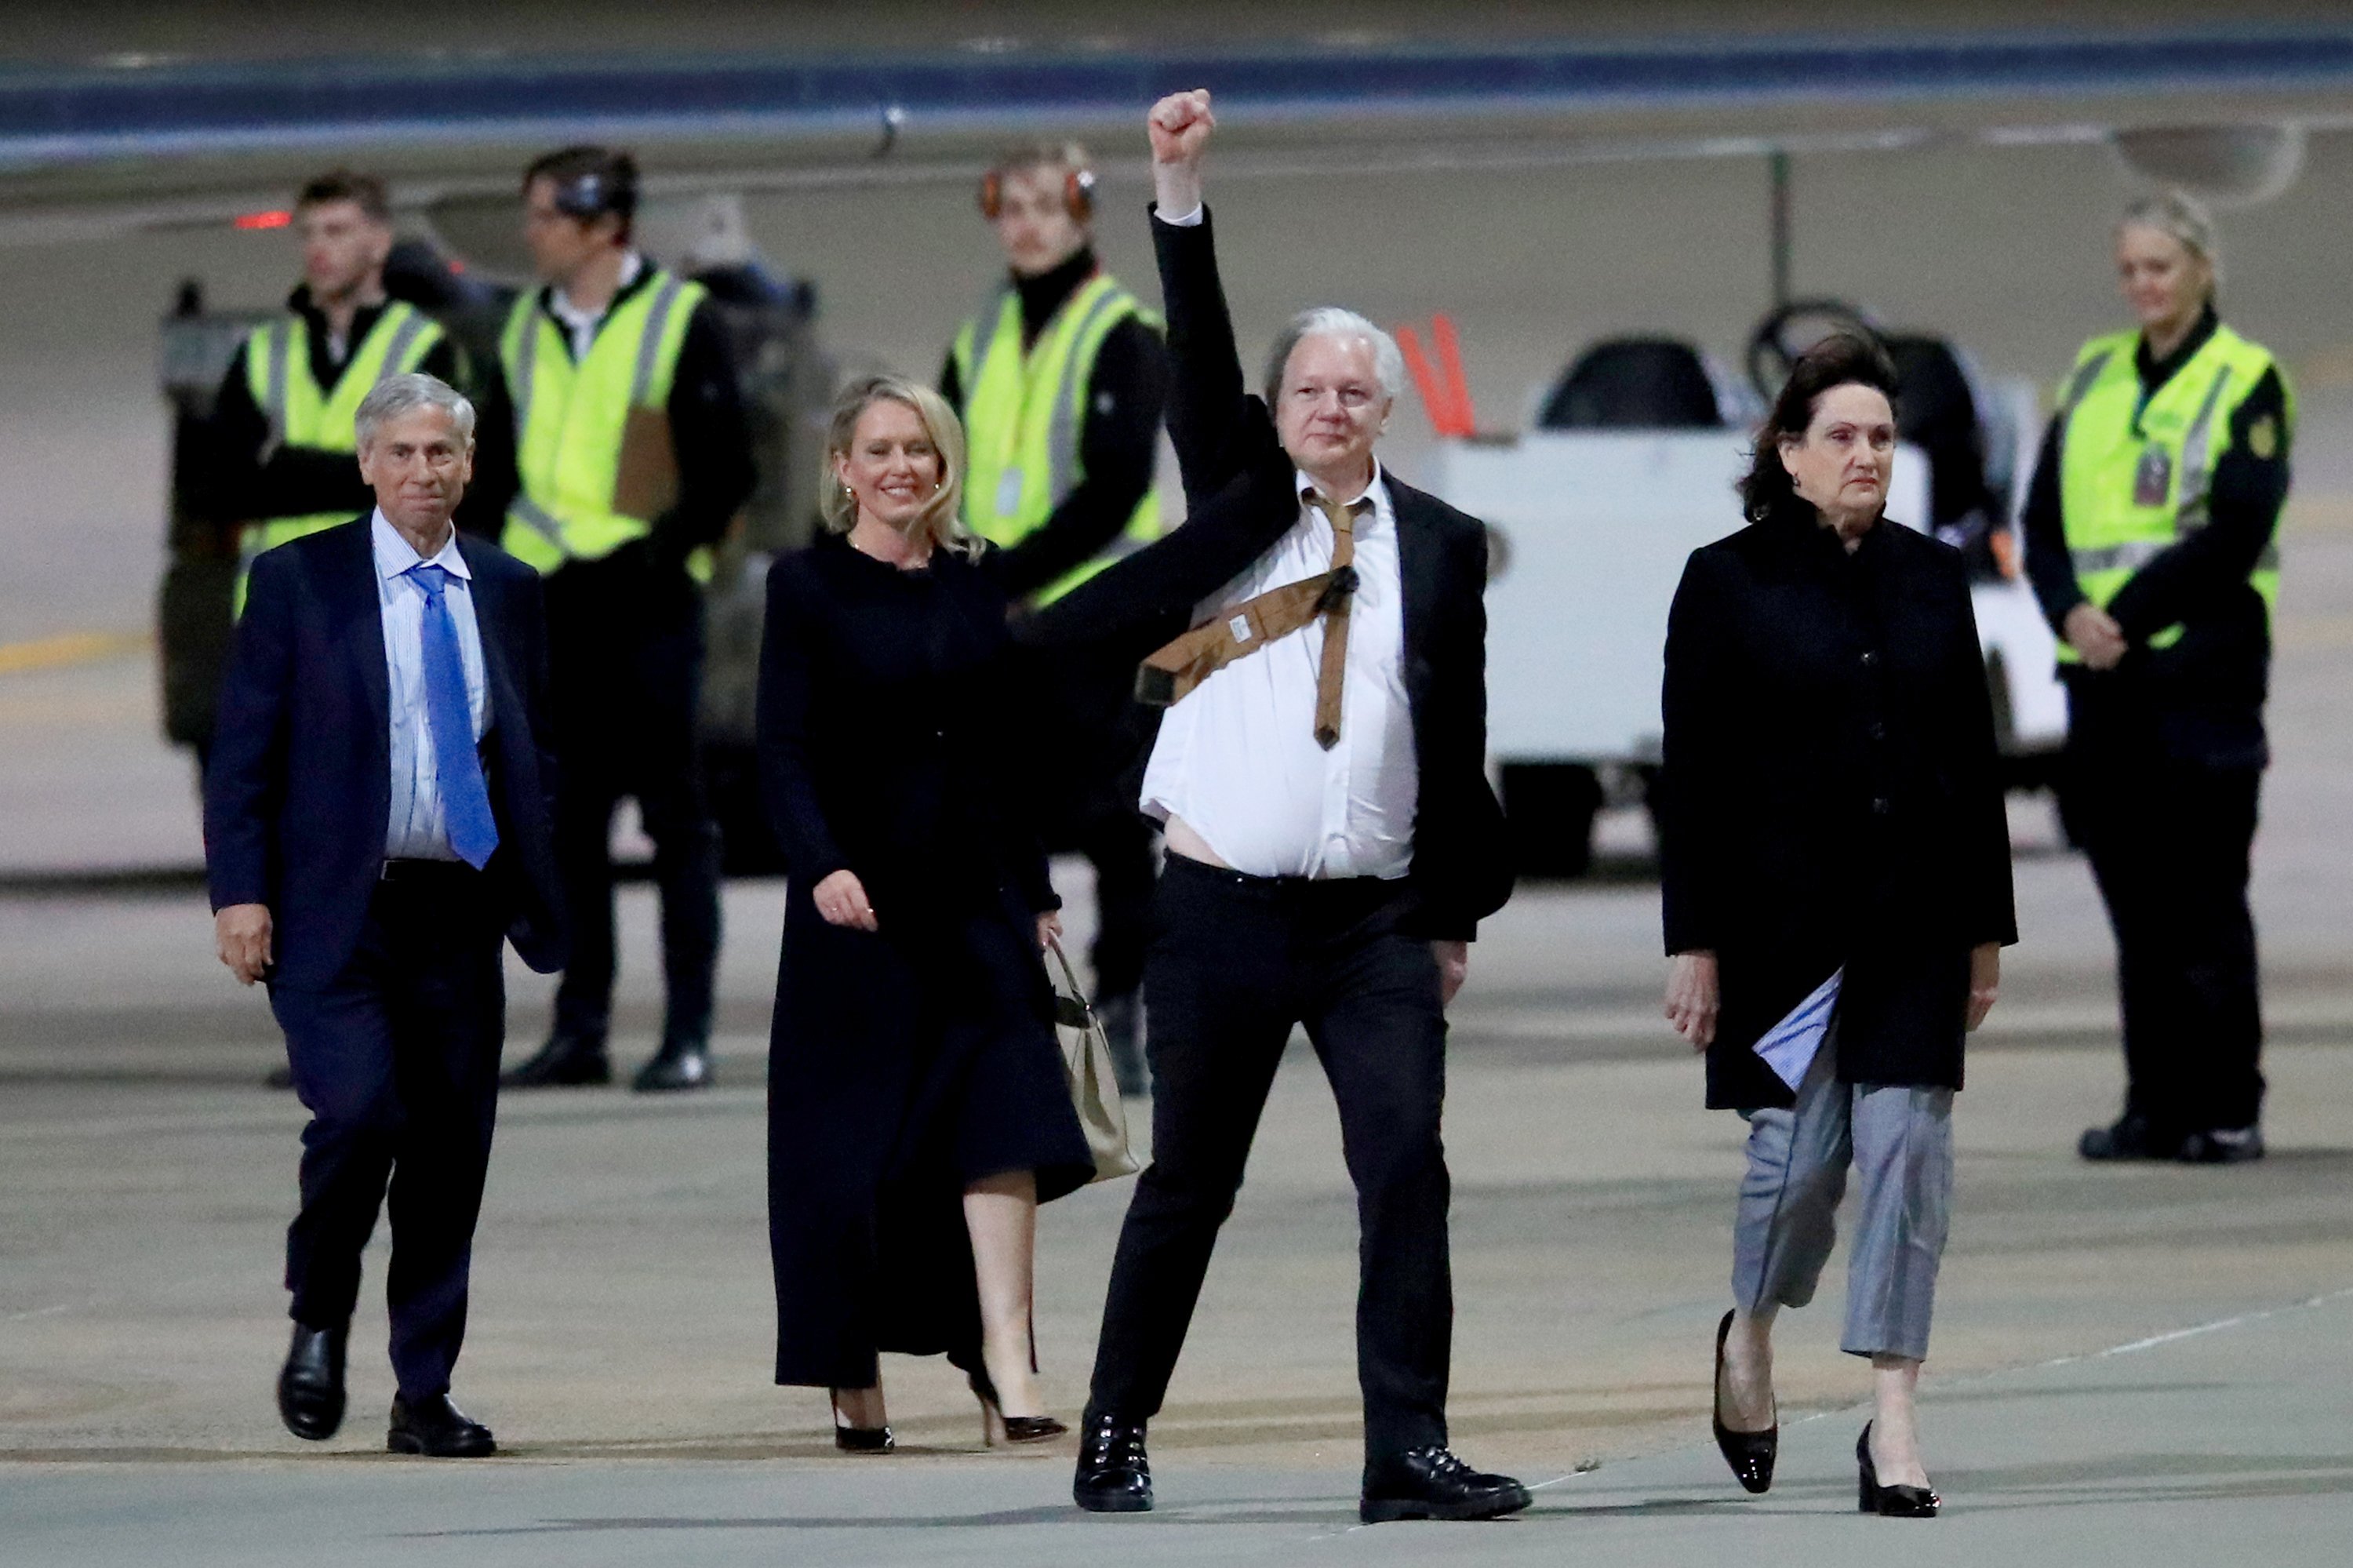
(311, 1385)
(1122, 1018)
(1431, 1483)
(2129, 1137)
(1750, 1454)
(2222, 1145)
(1114, 1475)
(437, 1429)
(564, 1061)
(1890, 1502)
(680, 1065)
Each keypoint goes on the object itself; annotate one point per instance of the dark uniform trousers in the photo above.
(627, 659)
(1235, 962)
(397, 1058)
(2169, 842)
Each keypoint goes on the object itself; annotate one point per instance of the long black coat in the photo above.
(906, 1062)
(1830, 795)
(1241, 497)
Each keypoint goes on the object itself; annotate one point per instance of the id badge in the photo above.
(1009, 493)
(2153, 476)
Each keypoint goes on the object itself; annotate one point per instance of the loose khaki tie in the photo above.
(1331, 679)
(1173, 672)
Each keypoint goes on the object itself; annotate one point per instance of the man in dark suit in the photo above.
(1332, 844)
(377, 821)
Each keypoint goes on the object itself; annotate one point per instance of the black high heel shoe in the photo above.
(1890, 1502)
(1000, 1430)
(1750, 1454)
(858, 1439)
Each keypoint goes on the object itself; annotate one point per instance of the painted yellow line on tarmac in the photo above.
(71, 648)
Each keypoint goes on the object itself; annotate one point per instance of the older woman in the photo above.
(1837, 889)
(918, 1112)
(2150, 528)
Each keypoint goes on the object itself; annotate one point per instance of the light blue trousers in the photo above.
(1899, 1141)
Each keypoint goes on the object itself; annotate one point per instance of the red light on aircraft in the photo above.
(276, 218)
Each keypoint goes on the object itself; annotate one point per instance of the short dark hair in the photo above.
(1841, 359)
(363, 191)
(590, 182)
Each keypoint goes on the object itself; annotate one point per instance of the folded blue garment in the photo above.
(1790, 1045)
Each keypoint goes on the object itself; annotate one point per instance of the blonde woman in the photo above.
(917, 1108)
(2152, 541)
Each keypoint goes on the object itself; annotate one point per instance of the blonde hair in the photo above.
(943, 515)
(2184, 219)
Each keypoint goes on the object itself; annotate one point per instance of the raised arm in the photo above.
(1211, 419)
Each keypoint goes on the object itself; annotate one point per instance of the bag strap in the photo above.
(1071, 1004)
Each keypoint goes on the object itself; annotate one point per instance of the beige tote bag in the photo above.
(1086, 1062)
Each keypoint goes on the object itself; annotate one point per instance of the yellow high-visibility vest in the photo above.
(1023, 415)
(570, 418)
(2134, 481)
(302, 414)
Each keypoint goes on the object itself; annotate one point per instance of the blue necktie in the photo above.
(465, 799)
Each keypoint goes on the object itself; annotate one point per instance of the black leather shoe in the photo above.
(1122, 1018)
(2130, 1138)
(1431, 1483)
(1750, 1454)
(680, 1065)
(2222, 1145)
(311, 1385)
(565, 1060)
(1114, 1475)
(1890, 1502)
(437, 1429)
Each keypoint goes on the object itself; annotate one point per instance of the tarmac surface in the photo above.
(2142, 1364)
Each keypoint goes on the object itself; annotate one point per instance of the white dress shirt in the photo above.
(419, 826)
(1237, 759)
(579, 324)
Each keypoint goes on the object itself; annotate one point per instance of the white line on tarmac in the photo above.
(2129, 1348)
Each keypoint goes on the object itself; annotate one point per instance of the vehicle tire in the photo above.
(1548, 810)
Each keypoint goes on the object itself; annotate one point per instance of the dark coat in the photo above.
(298, 790)
(906, 1062)
(1830, 795)
(1241, 497)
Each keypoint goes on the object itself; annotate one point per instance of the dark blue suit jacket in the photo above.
(299, 789)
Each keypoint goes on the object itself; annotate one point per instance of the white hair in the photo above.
(1330, 321)
(397, 395)
(2181, 216)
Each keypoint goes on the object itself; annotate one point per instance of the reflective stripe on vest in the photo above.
(2108, 435)
(302, 414)
(570, 418)
(1024, 413)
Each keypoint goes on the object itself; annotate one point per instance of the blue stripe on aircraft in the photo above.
(50, 116)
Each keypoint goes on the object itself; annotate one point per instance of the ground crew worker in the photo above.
(1060, 380)
(631, 457)
(281, 459)
(2150, 541)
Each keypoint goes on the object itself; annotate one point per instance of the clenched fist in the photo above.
(1180, 124)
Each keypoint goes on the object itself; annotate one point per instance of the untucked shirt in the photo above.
(1237, 759)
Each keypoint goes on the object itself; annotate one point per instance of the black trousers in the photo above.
(627, 687)
(2169, 844)
(397, 1059)
(1235, 963)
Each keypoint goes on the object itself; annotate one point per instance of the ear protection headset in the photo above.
(592, 194)
(1078, 192)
